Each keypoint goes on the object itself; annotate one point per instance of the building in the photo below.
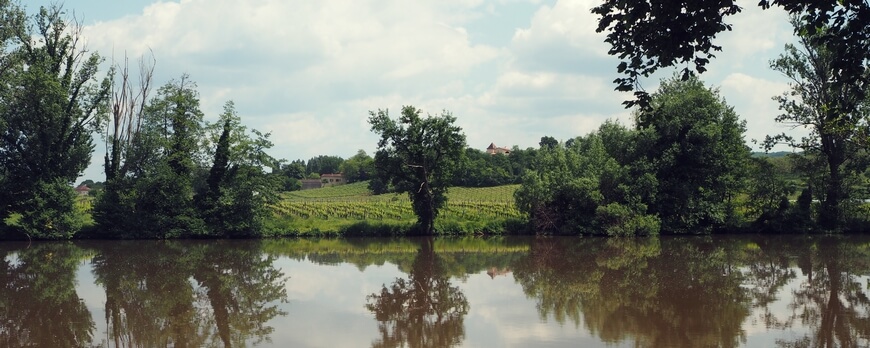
(308, 184)
(326, 180)
(332, 179)
(83, 190)
(495, 150)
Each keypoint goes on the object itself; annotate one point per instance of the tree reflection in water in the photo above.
(832, 299)
(39, 306)
(657, 294)
(422, 311)
(186, 294)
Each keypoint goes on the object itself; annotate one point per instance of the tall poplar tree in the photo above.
(51, 102)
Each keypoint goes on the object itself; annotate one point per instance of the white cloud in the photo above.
(309, 72)
(752, 100)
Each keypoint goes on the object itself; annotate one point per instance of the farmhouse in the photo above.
(326, 180)
(332, 179)
(83, 190)
(495, 150)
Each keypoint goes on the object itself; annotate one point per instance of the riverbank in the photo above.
(352, 210)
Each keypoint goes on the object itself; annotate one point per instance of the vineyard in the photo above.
(355, 202)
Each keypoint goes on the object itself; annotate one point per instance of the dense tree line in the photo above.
(476, 168)
(683, 167)
(168, 173)
(183, 177)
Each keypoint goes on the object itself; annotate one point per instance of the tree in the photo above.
(418, 156)
(693, 144)
(155, 198)
(360, 167)
(548, 142)
(588, 188)
(233, 201)
(125, 123)
(324, 165)
(481, 169)
(647, 35)
(838, 121)
(52, 99)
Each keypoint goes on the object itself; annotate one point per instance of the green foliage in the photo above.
(294, 169)
(692, 142)
(360, 167)
(768, 192)
(418, 156)
(324, 165)
(155, 200)
(677, 171)
(52, 99)
(648, 36)
(49, 213)
(169, 194)
(838, 117)
(584, 188)
(480, 169)
(238, 189)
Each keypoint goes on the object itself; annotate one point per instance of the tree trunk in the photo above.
(829, 217)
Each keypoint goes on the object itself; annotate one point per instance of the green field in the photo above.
(352, 209)
(332, 209)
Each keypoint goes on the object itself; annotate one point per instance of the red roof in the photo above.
(83, 188)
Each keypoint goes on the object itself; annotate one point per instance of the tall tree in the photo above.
(837, 121)
(233, 201)
(125, 123)
(52, 101)
(647, 35)
(693, 144)
(418, 156)
(154, 199)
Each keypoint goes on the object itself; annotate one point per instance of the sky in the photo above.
(510, 71)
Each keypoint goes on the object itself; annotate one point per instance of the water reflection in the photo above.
(188, 294)
(832, 297)
(39, 306)
(757, 291)
(423, 311)
(656, 294)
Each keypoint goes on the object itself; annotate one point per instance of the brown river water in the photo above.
(712, 291)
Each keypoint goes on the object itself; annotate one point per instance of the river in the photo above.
(710, 291)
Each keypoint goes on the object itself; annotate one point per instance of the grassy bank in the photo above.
(353, 210)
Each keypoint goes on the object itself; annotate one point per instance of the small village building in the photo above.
(332, 179)
(83, 190)
(326, 180)
(495, 150)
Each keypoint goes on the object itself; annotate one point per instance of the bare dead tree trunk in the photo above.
(127, 113)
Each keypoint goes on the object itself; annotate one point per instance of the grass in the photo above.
(352, 210)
